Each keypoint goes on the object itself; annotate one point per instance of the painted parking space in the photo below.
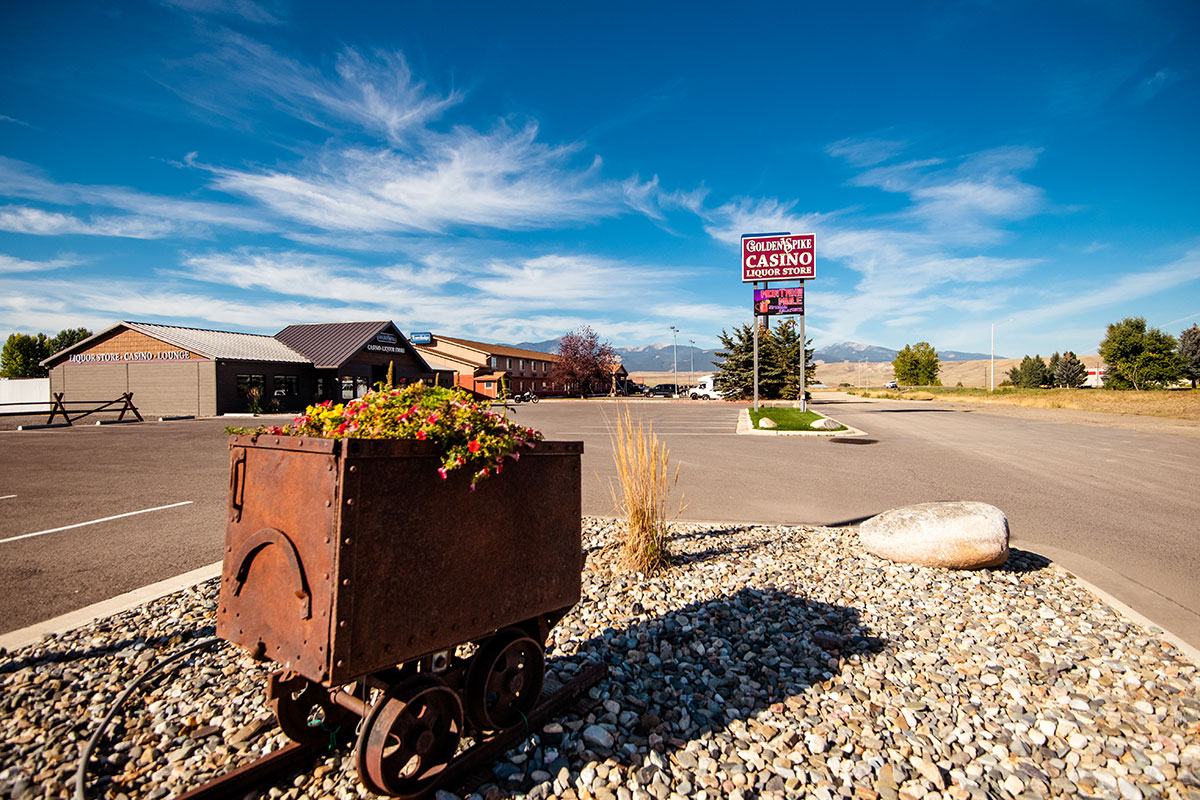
(93, 521)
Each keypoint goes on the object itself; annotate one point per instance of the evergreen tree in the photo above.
(1189, 352)
(917, 365)
(734, 363)
(1071, 372)
(792, 353)
(1052, 369)
(1139, 357)
(1032, 373)
(22, 355)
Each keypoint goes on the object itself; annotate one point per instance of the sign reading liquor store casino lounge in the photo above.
(106, 358)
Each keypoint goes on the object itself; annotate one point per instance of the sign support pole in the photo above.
(803, 362)
(754, 322)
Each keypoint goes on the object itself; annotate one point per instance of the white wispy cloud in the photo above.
(502, 179)
(148, 212)
(865, 152)
(375, 93)
(23, 219)
(262, 13)
(1154, 84)
(11, 264)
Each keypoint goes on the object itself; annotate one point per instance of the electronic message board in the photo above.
(785, 300)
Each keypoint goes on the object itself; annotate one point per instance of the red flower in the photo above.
(420, 434)
(474, 446)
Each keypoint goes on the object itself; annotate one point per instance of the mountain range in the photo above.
(660, 358)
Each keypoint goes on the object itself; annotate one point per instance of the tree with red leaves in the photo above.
(584, 362)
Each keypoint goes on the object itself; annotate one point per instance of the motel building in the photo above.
(480, 367)
(177, 371)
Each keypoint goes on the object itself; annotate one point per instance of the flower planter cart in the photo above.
(395, 600)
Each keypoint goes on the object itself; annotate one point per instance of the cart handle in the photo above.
(253, 545)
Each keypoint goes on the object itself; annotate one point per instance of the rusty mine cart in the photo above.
(394, 601)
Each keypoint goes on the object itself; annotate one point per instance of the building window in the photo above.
(495, 361)
(320, 387)
(509, 365)
(487, 385)
(521, 365)
(287, 385)
(247, 382)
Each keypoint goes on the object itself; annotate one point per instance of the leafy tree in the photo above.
(1071, 372)
(22, 355)
(917, 365)
(583, 361)
(67, 337)
(1189, 351)
(1139, 357)
(1052, 369)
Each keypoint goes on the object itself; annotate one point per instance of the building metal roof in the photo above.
(331, 344)
(224, 345)
(499, 349)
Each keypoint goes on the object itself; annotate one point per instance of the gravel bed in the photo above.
(770, 662)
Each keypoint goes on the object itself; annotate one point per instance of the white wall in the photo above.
(25, 390)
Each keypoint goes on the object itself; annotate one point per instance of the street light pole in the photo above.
(692, 376)
(675, 357)
(992, 379)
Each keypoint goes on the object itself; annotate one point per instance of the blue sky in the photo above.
(509, 172)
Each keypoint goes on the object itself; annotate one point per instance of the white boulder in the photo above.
(824, 424)
(767, 422)
(956, 535)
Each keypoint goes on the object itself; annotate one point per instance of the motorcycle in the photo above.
(527, 397)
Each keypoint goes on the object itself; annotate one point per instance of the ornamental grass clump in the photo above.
(643, 493)
(466, 433)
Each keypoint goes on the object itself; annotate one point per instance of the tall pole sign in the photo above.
(779, 257)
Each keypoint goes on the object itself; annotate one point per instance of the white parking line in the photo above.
(7, 497)
(93, 522)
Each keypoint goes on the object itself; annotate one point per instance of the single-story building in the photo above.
(481, 368)
(173, 370)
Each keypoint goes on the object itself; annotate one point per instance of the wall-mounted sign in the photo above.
(779, 257)
(786, 300)
(424, 337)
(384, 348)
(386, 338)
(103, 358)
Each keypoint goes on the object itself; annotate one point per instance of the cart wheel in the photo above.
(304, 709)
(408, 738)
(504, 680)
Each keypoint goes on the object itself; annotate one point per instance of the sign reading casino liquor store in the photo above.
(779, 257)
(788, 300)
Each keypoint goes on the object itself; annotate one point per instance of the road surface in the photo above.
(1117, 507)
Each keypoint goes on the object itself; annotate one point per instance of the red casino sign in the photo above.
(779, 257)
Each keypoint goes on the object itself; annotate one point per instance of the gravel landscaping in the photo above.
(770, 662)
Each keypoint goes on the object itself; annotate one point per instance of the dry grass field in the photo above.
(1178, 404)
(968, 373)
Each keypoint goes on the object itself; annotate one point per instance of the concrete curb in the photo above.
(744, 427)
(106, 608)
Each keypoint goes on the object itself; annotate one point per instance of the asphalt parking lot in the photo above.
(91, 512)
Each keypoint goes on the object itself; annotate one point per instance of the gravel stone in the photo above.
(768, 662)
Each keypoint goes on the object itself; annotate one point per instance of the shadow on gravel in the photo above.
(1023, 561)
(51, 656)
(702, 667)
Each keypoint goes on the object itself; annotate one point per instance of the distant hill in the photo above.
(658, 357)
(647, 358)
(853, 351)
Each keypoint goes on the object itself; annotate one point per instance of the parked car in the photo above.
(891, 385)
(661, 390)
